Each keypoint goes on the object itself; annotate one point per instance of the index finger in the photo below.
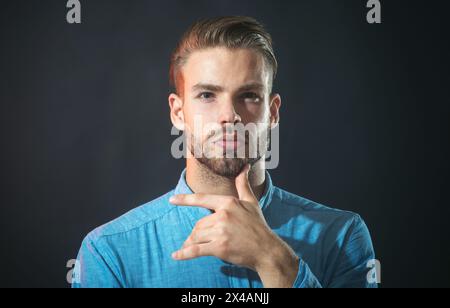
(212, 202)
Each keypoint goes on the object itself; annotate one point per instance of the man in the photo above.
(226, 224)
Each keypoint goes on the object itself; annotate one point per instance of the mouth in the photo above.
(228, 145)
(230, 142)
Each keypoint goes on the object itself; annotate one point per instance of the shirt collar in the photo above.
(197, 212)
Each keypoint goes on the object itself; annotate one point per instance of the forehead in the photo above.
(228, 68)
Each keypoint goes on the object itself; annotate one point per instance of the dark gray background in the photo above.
(85, 131)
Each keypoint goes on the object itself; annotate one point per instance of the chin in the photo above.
(226, 167)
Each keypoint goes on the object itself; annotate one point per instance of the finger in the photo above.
(212, 202)
(207, 221)
(193, 251)
(243, 186)
(200, 237)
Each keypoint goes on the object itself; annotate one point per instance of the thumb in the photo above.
(243, 186)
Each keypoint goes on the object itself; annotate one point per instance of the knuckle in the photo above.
(182, 198)
(224, 216)
(223, 232)
(229, 202)
(195, 250)
(200, 197)
(233, 201)
(224, 246)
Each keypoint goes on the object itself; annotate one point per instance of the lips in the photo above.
(229, 142)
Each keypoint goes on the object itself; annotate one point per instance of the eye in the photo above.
(251, 97)
(206, 96)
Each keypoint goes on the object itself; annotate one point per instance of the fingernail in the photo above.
(174, 255)
(172, 199)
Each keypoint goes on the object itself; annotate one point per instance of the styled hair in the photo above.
(234, 32)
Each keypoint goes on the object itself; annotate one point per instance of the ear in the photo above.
(176, 111)
(275, 104)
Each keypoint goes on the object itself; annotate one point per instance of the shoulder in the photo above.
(312, 222)
(136, 218)
(296, 206)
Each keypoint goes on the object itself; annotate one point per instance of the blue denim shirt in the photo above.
(135, 249)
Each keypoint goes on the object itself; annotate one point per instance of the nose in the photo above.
(228, 114)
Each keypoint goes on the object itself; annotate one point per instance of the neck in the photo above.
(202, 180)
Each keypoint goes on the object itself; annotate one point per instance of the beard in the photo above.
(225, 167)
(228, 167)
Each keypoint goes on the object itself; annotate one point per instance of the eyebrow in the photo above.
(216, 88)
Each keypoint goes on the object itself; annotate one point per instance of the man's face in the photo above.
(223, 91)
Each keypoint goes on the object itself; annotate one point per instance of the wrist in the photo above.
(279, 266)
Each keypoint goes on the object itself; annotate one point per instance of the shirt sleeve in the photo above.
(305, 278)
(351, 270)
(92, 270)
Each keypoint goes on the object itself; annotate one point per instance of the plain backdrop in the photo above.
(85, 129)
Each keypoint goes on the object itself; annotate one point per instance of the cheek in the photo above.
(256, 113)
(195, 111)
(200, 124)
(194, 116)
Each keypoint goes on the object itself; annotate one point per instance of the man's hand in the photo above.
(238, 233)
